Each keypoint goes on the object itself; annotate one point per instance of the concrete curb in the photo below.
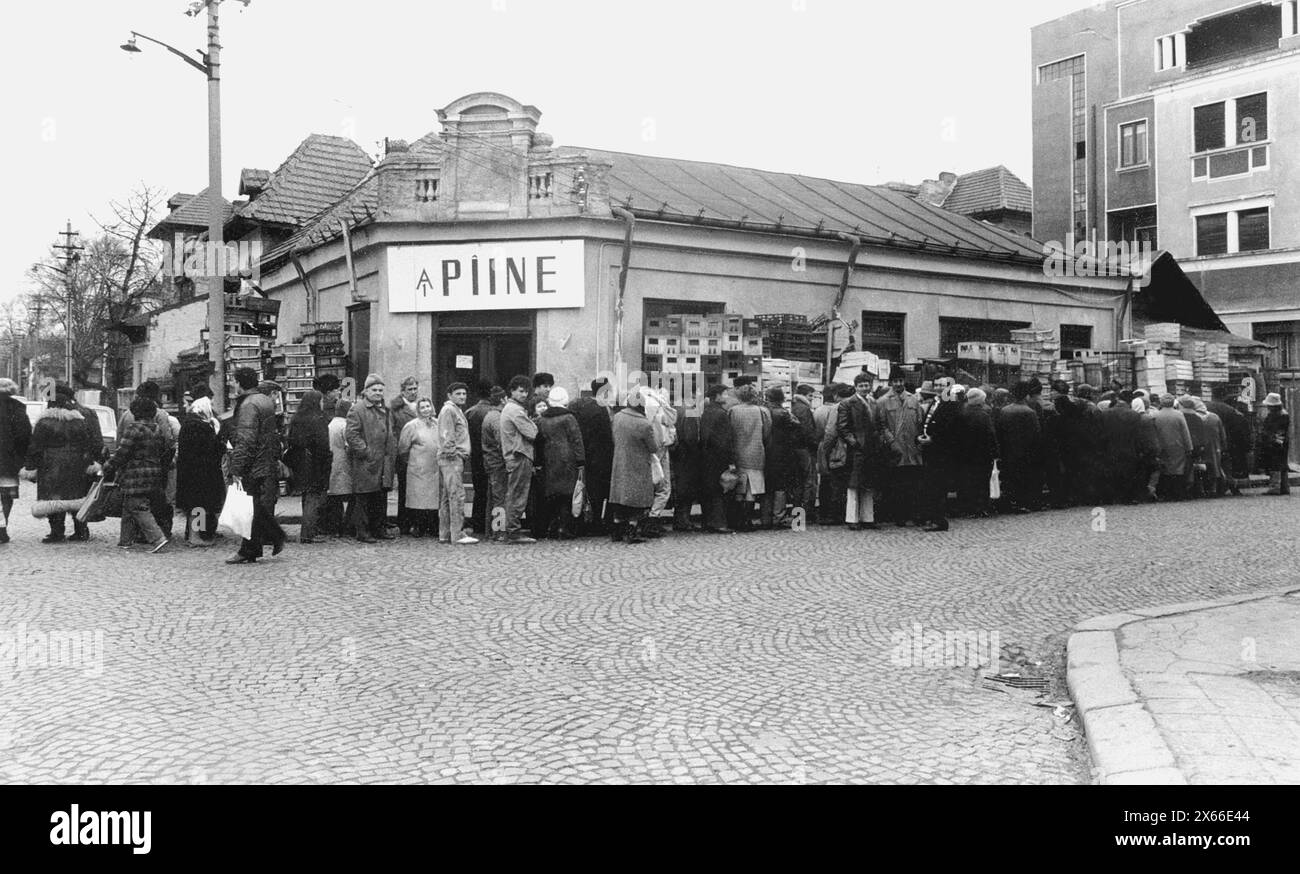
(1125, 745)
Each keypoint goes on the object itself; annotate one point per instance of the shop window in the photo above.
(1075, 337)
(953, 331)
(1133, 144)
(882, 334)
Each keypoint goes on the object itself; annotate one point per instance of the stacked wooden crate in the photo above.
(1210, 363)
(1040, 354)
(294, 368)
(326, 342)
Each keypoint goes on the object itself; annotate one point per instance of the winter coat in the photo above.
(751, 430)
(899, 416)
(199, 481)
(597, 443)
(61, 448)
(420, 442)
(942, 425)
(857, 425)
(372, 447)
(15, 435)
(978, 439)
(137, 465)
(517, 432)
(781, 463)
(634, 443)
(716, 440)
(1274, 440)
(161, 418)
(1236, 428)
(1017, 437)
(824, 432)
(492, 457)
(809, 434)
(1121, 440)
(309, 445)
(475, 416)
(563, 455)
(340, 466)
(402, 413)
(256, 441)
(1215, 439)
(1175, 441)
(453, 434)
(1196, 428)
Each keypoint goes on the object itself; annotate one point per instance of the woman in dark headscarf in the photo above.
(199, 481)
(310, 457)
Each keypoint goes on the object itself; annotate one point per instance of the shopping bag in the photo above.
(656, 470)
(995, 484)
(92, 508)
(729, 480)
(237, 514)
(579, 498)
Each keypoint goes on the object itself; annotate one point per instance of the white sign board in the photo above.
(508, 275)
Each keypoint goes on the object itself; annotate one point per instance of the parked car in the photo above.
(107, 420)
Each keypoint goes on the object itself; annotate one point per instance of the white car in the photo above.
(107, 420)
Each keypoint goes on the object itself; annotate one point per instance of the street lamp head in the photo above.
(130, 46)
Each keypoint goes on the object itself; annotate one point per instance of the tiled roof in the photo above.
(681, 190)
(320, 171)
(989, 190)
(357, 207)
(193, 213)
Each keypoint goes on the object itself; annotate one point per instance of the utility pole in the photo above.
(71, 255)
(216, 281)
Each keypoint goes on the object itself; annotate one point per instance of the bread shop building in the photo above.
(483, 250)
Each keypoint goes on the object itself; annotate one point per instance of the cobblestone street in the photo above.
(770, 657)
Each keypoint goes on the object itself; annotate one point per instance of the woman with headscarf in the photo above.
(1196, 428)
(419, 443)
(751, 430)
(59, 458)
(563, 459)
(978, 450)
(200, 485)
(1216, 441)
(1148, 450)
(631, 487)
(1275, 445)
(339, 498)
(311, 459)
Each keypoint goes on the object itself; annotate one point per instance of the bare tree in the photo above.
(118, 275)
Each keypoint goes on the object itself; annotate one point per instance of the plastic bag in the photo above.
(995, 483)
(579, 498)
(237, 514)
(92, 509)
(656, 470)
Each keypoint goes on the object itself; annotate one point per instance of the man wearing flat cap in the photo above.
(372, 452)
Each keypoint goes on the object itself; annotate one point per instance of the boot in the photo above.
(617, 532)
(1274, 483)
(634, 533)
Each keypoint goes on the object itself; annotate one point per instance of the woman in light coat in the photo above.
(631, 488)
(339, 506)
(420, 443)
(751, 428)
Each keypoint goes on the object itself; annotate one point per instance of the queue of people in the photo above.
(544, 465)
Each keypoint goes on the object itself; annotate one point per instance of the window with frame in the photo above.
(1075, 337)
(1252, 119)
(882, 334)
(1133, 144)
(1252, 230)
(1208, 127)
(1212, 234)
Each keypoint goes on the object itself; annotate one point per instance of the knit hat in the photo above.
(559, 397)
(1187, 402)
(1166, 400)
(373, 379)
(975, 396)
(1273, 400)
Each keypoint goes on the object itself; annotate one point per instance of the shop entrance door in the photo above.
(469, 358)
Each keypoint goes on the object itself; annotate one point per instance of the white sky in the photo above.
(858, 91)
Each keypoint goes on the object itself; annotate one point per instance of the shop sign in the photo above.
(523, 275)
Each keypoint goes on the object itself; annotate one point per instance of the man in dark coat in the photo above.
(15, 434)
(478, 474)
(1125, 449)
(403, 411)
(803, 485)
(686, 467)
(715, 457)
(255, 464)
(598, 443)
(372, 453)
(563, 459)
(1237, 428)
(1018, 451)
(1089, 463)
(782, 465)
(857, 425)
(1047, 469)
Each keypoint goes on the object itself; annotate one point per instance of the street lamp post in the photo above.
(210, 67)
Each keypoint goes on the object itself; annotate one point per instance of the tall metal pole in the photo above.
(216, 282)
(70, 256)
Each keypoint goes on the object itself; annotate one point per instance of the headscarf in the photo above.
(975, 397)
(559, 397)
(203, 409)
(1200, 408)
(1138, 405)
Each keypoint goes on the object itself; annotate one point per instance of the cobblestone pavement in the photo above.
(769, 657)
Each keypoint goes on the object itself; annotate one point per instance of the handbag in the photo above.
(729, 480)
(656, 470)
(995, 483)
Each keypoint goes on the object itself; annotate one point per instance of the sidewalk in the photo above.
(1205, 692)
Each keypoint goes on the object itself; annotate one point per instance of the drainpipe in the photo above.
(306, 284)
(347, 256)
(855, 246)
(630, 221)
